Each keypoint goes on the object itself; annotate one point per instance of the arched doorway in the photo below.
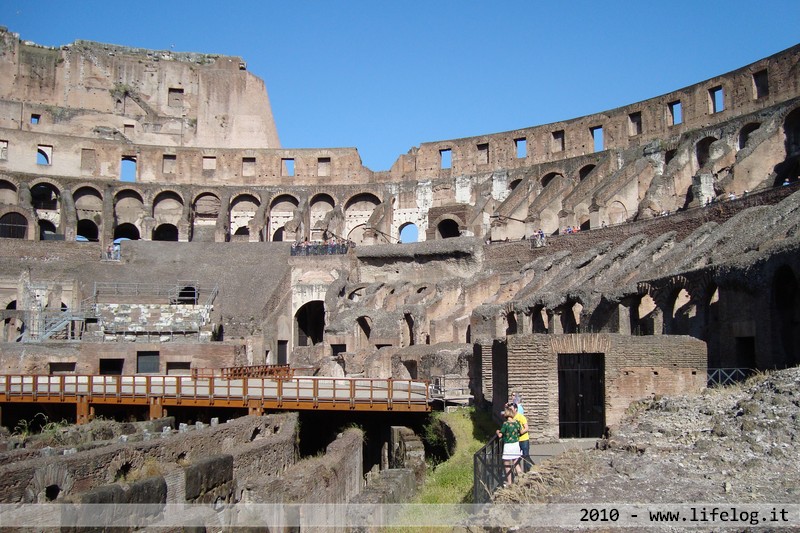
(447, 229)
(47, 230)
(165, 232)
(310, 320)
(126, 231)
(88, 230)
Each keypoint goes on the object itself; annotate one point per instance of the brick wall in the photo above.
(635, 367)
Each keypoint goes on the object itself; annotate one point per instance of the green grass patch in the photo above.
(451, 481)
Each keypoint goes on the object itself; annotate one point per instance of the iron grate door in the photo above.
(581, 395)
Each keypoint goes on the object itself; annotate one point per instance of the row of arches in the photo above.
(168, 211)
(698, 309)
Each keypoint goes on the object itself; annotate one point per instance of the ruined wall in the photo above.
(144, 96)
(635, 367)
(255, 447)
(334, 478)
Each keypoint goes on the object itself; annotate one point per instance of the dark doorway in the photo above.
(310, 323)
(111, 367)
(745, 352)
(499, 374)
(126, 231)
(411, 366)
(88, 229)
(511, 320)
(165, 232)
(283, 352)
(448, 229)
(581, 395)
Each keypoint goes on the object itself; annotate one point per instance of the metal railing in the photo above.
(722, 377)
(279, 393)
(489, 470)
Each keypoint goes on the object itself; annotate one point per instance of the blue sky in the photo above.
(385, 76)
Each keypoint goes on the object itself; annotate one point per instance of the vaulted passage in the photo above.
(310, 323)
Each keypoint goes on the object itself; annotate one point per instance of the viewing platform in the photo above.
(256, 394)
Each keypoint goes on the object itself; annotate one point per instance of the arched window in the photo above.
(409, 233)
(13, 226)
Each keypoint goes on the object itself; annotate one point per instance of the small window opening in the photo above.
(209, 162)
(483, 154)
(635, 124)
(445, 158)
(760, 84)
(675, 113)
(128, 129)
(323, 166)
(128, 168)
(521, 147)
(597, 138)
(3, 150)
(248, 166)
(147, 362)
(168, 164)
(558, 141)
(716, 99)
(287, 167)
(62, 368)
(44, 155)
(35, 118)
(175, 97)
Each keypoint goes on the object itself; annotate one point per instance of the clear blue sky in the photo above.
(385, 76)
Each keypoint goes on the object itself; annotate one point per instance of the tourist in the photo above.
(110, 252)
(524, 438)
(786, 181)
(509, 433)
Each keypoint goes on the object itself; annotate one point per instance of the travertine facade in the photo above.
(208, 172)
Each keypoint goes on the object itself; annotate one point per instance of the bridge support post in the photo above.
(156, 409)
(255, 408)
(83, 411)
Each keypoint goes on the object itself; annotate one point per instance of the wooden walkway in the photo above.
(256, 394)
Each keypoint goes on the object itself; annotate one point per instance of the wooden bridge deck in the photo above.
(253, 393)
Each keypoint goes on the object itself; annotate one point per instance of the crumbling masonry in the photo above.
(686, 258)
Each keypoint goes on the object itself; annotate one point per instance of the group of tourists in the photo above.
(538, 239)
(515, 438)
(332, 246)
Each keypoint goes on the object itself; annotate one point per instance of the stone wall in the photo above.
(334, 478)
(254, 447)
(635, 367)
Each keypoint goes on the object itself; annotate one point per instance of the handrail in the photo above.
(290, 392)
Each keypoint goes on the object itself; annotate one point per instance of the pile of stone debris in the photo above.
(737, 444)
